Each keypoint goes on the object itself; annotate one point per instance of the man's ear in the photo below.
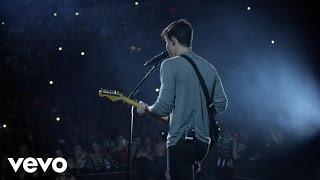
(174, 41)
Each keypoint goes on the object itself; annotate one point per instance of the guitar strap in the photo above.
(205, 90)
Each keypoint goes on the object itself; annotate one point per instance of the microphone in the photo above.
(157, 59)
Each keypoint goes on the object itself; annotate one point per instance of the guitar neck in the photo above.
(137, 105)
(131, 102)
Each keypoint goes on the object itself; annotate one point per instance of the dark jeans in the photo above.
(183, 157)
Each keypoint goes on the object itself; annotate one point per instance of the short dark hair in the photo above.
(181, 29)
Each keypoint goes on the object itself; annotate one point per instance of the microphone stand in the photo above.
(132, 94)
(136, 90)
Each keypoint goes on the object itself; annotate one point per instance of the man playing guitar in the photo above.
(181, 97)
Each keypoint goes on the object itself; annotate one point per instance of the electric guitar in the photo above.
(117, 96)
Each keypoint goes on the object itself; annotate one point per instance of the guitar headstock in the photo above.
(110, 94)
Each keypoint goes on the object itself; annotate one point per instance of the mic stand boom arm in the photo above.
(136, 90)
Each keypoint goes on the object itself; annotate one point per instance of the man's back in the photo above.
(189, 104)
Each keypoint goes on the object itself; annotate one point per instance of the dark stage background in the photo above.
(57, 54)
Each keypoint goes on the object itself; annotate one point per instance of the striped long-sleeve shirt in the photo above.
(182, 98)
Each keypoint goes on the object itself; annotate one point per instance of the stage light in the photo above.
(77, 14)
(157, 89)
(133, 48)
(136, 3)
(55, 14)
(4, 125)
(50, 82)
(3, 23)
(57, 118)
(60, 48)
(82, 53)
(248, 8)
(272, 42)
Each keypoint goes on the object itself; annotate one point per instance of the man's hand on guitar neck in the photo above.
(142, 109)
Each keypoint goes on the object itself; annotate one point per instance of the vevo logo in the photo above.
(30, 164)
